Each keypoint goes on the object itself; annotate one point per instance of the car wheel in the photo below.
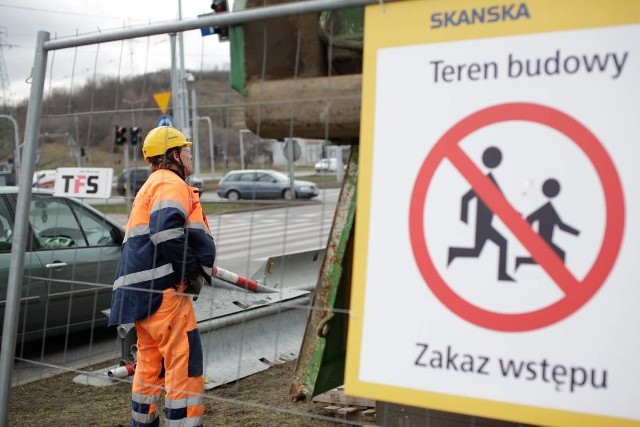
(286, 194)
(233, 195)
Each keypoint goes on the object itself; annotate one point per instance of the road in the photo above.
(244, 241)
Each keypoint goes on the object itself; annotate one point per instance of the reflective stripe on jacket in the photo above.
(167, 239)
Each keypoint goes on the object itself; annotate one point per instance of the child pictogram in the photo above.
(427, 210)
(492, 157)
(548, 219)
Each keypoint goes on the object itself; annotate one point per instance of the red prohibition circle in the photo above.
(614, 221)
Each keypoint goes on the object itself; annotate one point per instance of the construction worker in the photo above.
(168, 252)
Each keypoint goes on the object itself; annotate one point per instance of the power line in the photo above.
(64, 12)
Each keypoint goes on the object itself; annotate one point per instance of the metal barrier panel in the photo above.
(27, 209)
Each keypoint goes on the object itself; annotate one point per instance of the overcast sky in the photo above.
(20, 20)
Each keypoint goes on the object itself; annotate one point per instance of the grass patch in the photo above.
(262, 399)
(322, 180)
(211, 208)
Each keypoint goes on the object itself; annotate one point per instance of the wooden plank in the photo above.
(337, 396)
(346, 410)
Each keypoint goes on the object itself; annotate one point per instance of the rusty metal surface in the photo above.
(301, 94)
(325, 321)
(282, 48)
(293, 40)
(320, 107)
(342, 32)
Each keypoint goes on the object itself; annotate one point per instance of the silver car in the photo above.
(71, 255)
(263, 184)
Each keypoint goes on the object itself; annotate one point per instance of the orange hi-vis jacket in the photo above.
(167, 240)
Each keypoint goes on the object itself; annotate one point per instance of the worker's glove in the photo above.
(195, 285)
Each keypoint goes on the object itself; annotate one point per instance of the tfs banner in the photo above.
(84, 182)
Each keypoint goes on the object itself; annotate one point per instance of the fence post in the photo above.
(19, 239)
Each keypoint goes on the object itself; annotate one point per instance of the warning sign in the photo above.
(495, 260)
(491, 202)
(162, 100)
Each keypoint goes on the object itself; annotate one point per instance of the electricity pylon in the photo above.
(5, 94)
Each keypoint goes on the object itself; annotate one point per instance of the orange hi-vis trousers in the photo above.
(169, 354)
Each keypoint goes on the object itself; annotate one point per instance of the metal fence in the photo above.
(298, 300)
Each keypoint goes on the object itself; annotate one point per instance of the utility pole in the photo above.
(175, 85)
(211, 148)
(182, 81)
(16, 137)
(242, 132)
(71, 142)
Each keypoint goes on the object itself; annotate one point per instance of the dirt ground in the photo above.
(258, 400)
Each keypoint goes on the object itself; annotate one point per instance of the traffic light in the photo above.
(121, 135)
(220, 6)
(135, 135)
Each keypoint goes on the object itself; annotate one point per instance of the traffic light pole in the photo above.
(132, 105)
(127, 189)
(121, 140)
(195, 134)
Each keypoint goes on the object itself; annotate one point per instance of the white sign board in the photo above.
(496, 242)
(93, 183)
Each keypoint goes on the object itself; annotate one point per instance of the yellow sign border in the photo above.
(406, 23)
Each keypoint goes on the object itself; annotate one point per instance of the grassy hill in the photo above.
(86, 118)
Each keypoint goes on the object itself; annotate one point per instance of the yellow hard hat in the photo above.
(161, 139)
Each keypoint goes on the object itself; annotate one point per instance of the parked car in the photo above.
(133, 178)
(262, 184)
(45, 178)
(326, 165)
(70, 259)
(194, 181)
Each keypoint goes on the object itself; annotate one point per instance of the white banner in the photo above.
(92, 183)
